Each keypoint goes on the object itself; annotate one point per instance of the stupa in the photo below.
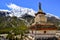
(41, 29)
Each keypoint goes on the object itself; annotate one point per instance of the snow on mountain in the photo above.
(19, 11)
(5, 10)
(51, 15)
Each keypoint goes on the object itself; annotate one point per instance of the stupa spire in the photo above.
(40, 9)
(39, 6)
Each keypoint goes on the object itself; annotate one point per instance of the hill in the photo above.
(8, 24)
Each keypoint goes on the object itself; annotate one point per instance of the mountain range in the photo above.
(27, 14)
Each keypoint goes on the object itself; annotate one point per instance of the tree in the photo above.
(18, 27)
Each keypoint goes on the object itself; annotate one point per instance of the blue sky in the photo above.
(48, 6)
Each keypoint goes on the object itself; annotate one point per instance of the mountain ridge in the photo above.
(28, 14)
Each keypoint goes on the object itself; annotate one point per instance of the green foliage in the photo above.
(12, 23)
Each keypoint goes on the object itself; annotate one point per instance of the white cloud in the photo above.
(18, 11)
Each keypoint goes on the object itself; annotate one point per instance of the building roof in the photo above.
(43, 26)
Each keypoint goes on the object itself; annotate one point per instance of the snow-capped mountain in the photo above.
(51, 15)
(20, 11)
(27, 14)
(4, 12)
